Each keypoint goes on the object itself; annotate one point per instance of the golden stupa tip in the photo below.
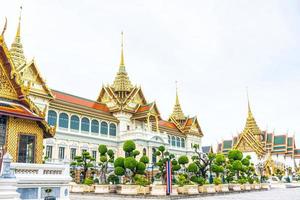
(19, 25)
(122, 51)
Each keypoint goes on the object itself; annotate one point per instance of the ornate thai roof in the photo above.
(122, 82)
(177, 113)
(13, 89)
(250, 138)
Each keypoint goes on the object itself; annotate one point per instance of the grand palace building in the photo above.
(270, 149)
(121, 112)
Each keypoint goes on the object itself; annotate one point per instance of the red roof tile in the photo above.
(79, 101)
(17, 110)
(143, 108)
(167, 124)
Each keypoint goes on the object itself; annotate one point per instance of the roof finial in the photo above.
(4, 28)
(249, 108)
(177, 111)
(16, 49)
(122, 51)
(19, 25)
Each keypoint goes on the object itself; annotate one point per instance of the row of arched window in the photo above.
(176, 141)
(85, 124)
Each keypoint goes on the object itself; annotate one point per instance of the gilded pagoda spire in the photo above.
(250, 122)
(177, 111)
(122, 82)
(16, 50)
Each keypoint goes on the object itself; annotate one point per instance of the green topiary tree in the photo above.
(218, 165)
(164, 157)
(129, 166)
(85, 161)
(106, 157)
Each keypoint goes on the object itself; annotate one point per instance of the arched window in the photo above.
(153, 155)
(75, 122)
(85, 124)
(63, 120)
(173, 141)
(182, 143)
(52, 118)
(178, 142)
(104, 128)
(169, 139)
(95, 126)
(144, 151)
(112, 130)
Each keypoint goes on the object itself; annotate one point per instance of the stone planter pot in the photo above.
(174, 190)
(257, 186)
(210, 188)
(88, 188)
(127, 189)
(191, 189)
(112, 188)
(201, 189)
(181, 190)
(143, 190)
(102, 189)
(235, 187)
(78, 188)
(222, 188)
(265, 186)
(246, 187)
(158, 190)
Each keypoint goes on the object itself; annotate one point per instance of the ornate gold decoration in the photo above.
(177, 111)
(16, 51)
(250, 138)
(122, 84)
(6, 88)
(15, 128)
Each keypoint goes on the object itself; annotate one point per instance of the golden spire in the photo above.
(16, 49)
(177, 111)
(122, 82)
(250, 122)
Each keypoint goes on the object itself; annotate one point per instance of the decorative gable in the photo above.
(6, 88)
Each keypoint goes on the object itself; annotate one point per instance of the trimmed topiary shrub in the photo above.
(144, 159)
(129, 146)
(119, 162)
(119, 171)
(130, 163)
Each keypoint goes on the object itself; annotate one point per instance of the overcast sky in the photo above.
(214, 49)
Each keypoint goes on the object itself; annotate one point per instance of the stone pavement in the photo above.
(273, 194)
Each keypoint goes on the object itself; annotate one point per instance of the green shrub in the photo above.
(113, 179)
(119, 171)
(130, 163)
(103, 158)
(193, 168)
(176, 167)
(88, 181)
(161, 148)
(242, 181)
(235, 155)
(135, 153)
(183, 160)
(217, 181)
(174, 162)
(198, 180)
(119, 162)
(128, 146)
(237, 165)
(102, 149)
(246, 162)
(140, 180)
(110, 153)
(141, 167)
(144, 159)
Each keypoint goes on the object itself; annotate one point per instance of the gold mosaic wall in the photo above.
(18, 126)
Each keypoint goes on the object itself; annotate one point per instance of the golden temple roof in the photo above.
(16, 50)
(122, 82)
(177, 111)
(251, 123)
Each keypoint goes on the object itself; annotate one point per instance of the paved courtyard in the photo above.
(274, 194)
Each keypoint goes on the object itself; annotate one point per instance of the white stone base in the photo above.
(8, 189)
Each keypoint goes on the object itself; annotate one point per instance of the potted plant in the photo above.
(106, 157)
(129, 167)
(84, 163)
